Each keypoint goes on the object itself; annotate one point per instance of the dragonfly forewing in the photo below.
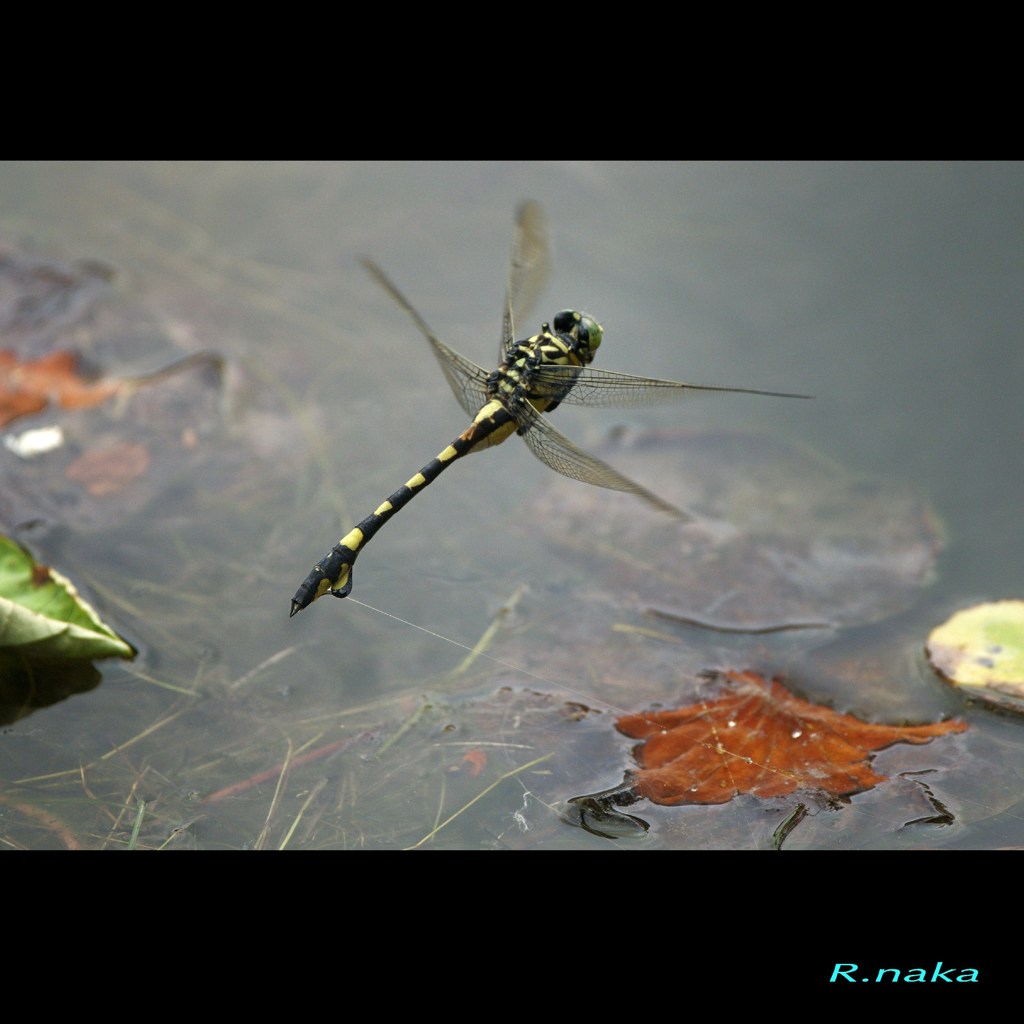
(467, 379)
(527, 270)
(609, 388)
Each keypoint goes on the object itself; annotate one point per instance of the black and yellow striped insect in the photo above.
(534, 377)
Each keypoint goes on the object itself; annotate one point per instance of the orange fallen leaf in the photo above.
(477, 761)
(30, 385)
(106, 470)
(757, 738)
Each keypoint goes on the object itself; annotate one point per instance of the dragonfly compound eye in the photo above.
(585, 329)
(590, 332)
(565, 321)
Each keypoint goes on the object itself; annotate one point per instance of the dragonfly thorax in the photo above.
(523, 375)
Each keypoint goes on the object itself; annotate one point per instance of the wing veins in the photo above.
(595, 387)
(467, 380)
(528, 265)
(557, 452)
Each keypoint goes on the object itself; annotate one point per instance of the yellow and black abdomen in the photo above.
(515, 384)
(333, 574)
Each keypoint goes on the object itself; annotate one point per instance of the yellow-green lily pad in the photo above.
(42, 615)
(982, 650)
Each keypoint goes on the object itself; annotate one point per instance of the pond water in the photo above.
(889, 291)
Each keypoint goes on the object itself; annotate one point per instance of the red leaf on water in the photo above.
(476, 759)
(757, 738)
(109, 468)
(30, 385)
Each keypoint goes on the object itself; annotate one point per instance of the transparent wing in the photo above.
(467, 380)
(555, 450)
(527, 270)
(589, 386)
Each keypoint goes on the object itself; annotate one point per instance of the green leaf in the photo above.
(981, 649)
(42, 616)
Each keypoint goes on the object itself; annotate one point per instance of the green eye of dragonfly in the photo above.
(590, 332)
(586, 331)
(534, 377)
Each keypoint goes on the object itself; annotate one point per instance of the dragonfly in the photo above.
(533, 378)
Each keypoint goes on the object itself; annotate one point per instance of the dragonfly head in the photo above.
(583, 331)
